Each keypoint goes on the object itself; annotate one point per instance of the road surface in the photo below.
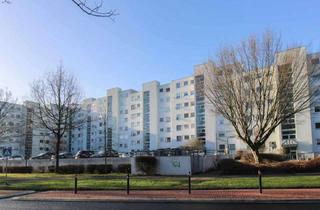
(8, 204)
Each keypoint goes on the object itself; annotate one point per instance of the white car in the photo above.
(16, 157)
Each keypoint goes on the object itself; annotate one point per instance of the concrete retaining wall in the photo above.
(42, 165)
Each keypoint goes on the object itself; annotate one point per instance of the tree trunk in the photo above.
(57, 153)
(256, 155)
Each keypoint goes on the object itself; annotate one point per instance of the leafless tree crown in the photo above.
(89, 7)
(257, 86)
(57, 97)
(6, 105)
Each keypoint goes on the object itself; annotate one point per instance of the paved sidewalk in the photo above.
(179, 195)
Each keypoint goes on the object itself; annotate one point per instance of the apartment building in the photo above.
(161, 116)
(168, 115)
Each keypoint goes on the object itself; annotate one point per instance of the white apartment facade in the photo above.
(169, 115)
(161, 116)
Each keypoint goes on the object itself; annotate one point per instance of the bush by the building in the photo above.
(234, 167)
(124, 168)
(19, 169)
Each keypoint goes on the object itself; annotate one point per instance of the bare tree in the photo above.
(257, 86)
(95, 9)
(6, 104)
(193, 144)
(90, 7)
(57, 97)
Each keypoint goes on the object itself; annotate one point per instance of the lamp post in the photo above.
(76, 177)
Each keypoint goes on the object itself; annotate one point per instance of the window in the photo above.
(186, 115)
(221, 121)
(161, 129)
(192, 103)
(161, 119)
(178, 96)
(168, 119)
(232, 147)
(192, 114)
(192, 92)
(178, 116)
(133, 107)
(186, 104)
(186, 126)
(317, 108)
(161, 90)
(167, 89)
(179, 127)
(222, 147)
(185, 93)
(186, 137)
(318, 141)
(185, 83)
(168, 129)
(168, 139)
(178, 85)
(221, 134)
(179, 138)
(192, 81)
(317, 125)
(178, 106)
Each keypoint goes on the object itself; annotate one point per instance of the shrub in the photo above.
(19, 169)
(146, 164)
(124, 168)
(266, 157)
(71, 169)
(232, 167)
(101, 169)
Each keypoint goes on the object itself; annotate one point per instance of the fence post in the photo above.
(189, 183)
(260, 181)
(6, 182)
(75, 184)
(128, 183)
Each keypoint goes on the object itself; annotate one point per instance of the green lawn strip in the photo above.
(165, 183)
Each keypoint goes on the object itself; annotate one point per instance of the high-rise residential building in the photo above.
(169, 115)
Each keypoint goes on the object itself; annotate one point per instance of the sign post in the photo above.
(7, 152)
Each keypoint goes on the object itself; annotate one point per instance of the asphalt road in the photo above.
(7, 204)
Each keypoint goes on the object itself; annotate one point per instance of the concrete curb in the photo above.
(17, 194)
(170, 200)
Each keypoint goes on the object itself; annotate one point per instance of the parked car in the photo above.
(63, 155)
(84, 154)
(102, 153)
(16, 157)
(124, 155)
(44, 155)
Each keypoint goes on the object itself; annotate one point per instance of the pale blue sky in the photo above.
(150, 39)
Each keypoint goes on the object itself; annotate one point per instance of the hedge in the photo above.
(234, 167)
(19, 169)
(146, 164)
(71, 169)
(101, 169)
(124, 168)
(267, 157)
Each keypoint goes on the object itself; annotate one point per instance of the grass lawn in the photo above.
(51, 181)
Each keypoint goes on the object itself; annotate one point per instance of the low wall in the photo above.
(180, 165)
(167, 165)
(42, 165)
